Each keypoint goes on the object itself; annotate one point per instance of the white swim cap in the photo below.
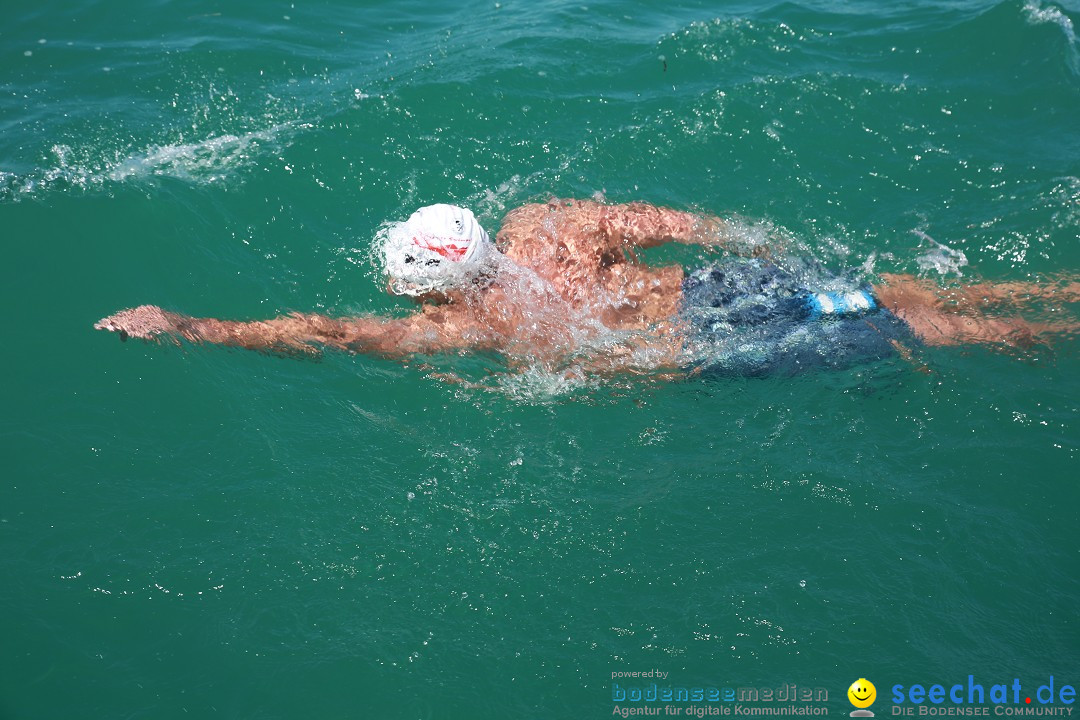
(438, 248)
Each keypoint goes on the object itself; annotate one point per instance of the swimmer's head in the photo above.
(439, 248)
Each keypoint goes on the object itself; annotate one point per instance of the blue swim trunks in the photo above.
(750, 318)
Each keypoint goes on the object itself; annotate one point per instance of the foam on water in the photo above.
(940, 258)
(1037, 14)
(209, 161)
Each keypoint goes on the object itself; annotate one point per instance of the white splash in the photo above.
(208, 161)
(940, 258)
(1037, 15)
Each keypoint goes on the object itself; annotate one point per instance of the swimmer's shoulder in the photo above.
(519, 223)
(568, 218)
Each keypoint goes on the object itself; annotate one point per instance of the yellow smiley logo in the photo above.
(862, 693)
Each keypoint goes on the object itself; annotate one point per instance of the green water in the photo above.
(194, 532)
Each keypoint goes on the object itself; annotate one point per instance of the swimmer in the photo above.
(562, 286)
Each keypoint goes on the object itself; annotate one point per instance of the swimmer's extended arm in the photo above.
(643, 225)
(296, 334)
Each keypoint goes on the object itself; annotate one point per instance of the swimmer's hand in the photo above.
(288, 336)
(146, 322)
